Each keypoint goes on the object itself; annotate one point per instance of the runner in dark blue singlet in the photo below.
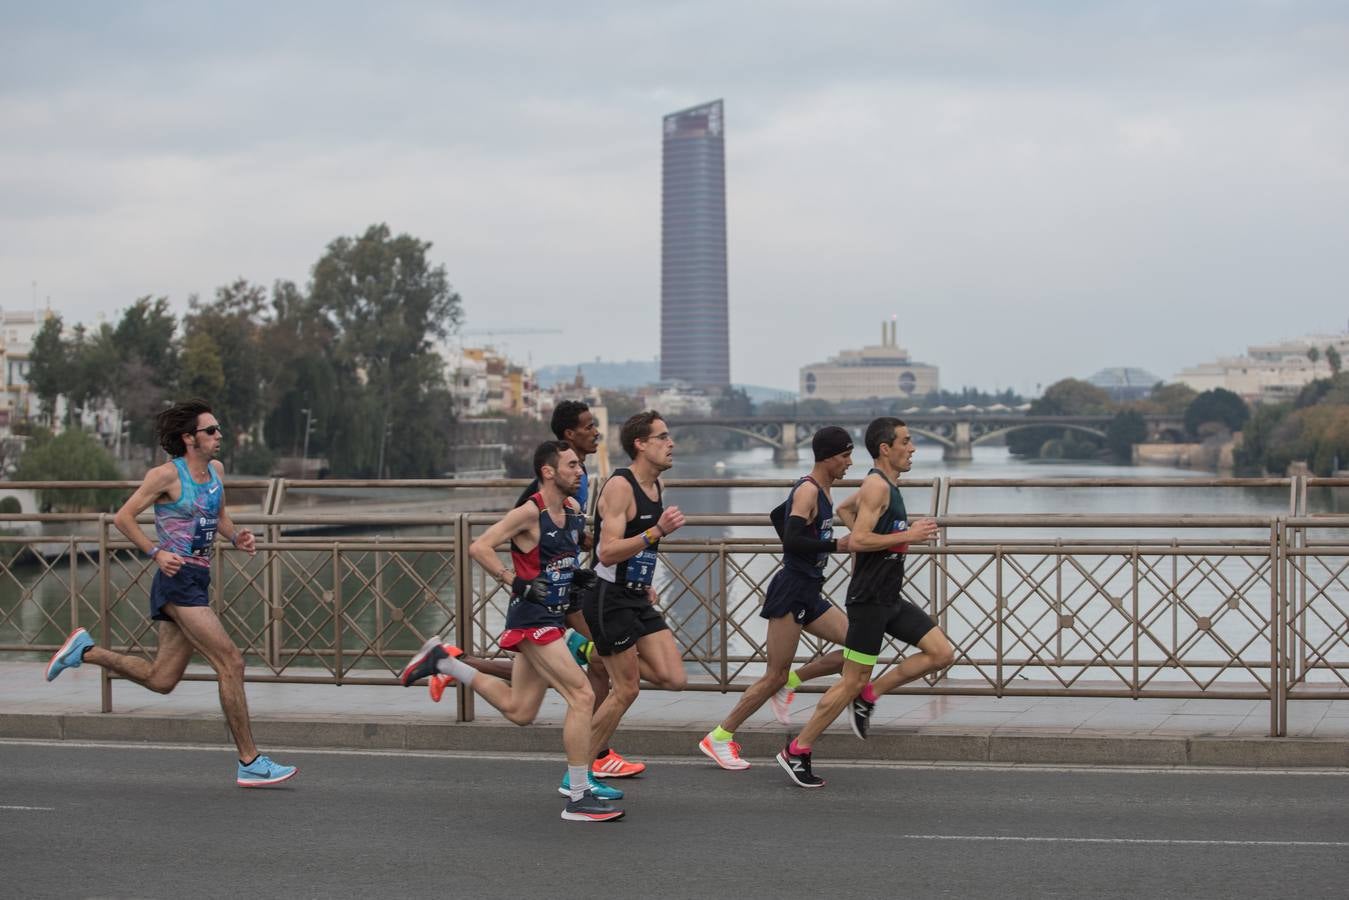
(794, 601)
(544, 537)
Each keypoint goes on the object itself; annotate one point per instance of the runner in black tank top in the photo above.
(880, 536)
(794, 599)
(629, 632)
(543, 536)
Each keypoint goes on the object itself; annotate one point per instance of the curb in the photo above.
(972, 746)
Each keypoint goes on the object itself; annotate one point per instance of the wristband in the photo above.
(153, 550)
(234, 541)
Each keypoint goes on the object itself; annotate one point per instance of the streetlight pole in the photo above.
(308, 427)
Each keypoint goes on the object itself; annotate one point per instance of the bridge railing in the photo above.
(1130, 606)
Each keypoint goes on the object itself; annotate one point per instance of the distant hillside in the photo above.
(610, 375)
(620, 376)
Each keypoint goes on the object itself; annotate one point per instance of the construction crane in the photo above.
(492, 333)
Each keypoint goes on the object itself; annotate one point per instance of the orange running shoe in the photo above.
(437, 683)
(611, 765)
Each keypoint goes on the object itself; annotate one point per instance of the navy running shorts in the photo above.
(190, 587)
(789, 594)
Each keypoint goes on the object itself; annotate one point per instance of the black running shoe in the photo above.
(590, 809)
(861, 716)
(798, 769)
(423, 665)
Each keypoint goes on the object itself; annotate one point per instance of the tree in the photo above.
(1069, 397)
(1127, 428)
(1333, 360)
(1313, 354)
(230, 365)
(49, 365)
(387, 304)
(1252, 457)
(1217, 405)
(1172, 398)
(733, 403)
(73, 455)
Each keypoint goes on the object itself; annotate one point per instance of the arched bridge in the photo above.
(957, 432)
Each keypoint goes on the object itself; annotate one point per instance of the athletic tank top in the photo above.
(811, 565)
(187, 526)
(879, 575)
(639, 569)
(550, 564)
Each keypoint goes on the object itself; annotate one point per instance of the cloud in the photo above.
(1038, 190)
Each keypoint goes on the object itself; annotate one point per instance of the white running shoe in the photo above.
(724, 753)
(782, 704)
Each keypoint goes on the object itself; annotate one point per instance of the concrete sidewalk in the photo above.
(911, 727)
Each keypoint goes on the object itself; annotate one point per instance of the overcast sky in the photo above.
(1037, 190)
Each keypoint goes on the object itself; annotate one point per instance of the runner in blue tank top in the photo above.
(794, 600)
(189, 504)
(880, 535)
(544, 536)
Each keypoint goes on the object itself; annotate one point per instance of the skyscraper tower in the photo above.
(694, 338)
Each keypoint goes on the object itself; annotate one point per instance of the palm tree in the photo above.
(1333, 359)
(1313, 354)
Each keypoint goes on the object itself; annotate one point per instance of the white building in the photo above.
(1269, 373)
(884, 371)
(677, 400)
(17, 331)
(484, 382)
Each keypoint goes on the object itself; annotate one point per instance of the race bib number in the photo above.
(203, 535)
(642, 567)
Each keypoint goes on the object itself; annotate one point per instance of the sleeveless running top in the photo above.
(811, 565)
(639, 569)
(879, 575)
(187, 526)
(549, 566)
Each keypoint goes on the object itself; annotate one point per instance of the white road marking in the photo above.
(691, 760)
(1079, 840)
(31, 808)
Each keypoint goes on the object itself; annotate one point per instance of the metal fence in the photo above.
(1128, 605)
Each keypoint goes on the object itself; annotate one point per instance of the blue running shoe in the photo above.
(263, 772)
(576, 643)
(71, 653)
(600, 790)
(423, 664)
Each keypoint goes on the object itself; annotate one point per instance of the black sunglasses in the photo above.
(212, 430)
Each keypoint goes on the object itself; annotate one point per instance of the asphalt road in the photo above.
(118, 821)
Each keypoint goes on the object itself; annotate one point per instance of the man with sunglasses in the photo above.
(188, 499)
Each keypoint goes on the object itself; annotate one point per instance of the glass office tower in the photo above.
(694, 339)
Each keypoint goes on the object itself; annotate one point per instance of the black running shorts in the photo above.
(869, 623)
(618, 616)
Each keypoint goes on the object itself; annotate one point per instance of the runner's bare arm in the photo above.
(520, 521)
(239, 537)
(156, 484)
(616, 501)
(872, 499)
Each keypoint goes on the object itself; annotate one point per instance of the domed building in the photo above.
(1124, 384)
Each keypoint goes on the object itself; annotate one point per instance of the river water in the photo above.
(35, 600)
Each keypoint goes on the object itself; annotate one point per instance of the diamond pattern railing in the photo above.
(1221, 615)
